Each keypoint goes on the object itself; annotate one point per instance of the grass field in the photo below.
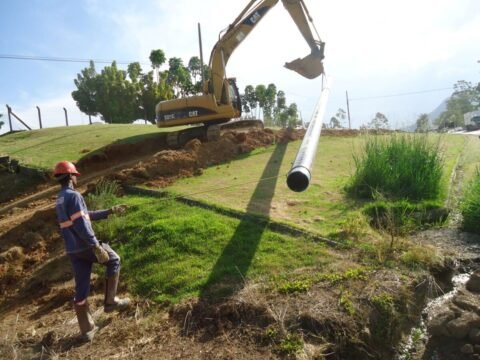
(173, 251)
(323, 207)
(43, 148)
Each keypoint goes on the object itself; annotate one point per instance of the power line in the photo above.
(401, 94)
(61, 59)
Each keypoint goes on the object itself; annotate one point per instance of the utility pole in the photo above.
(348, 111)
(201, 55)
(10, 117)
(66, 116)
(39, 117)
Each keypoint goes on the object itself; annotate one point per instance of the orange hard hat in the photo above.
(65, 167)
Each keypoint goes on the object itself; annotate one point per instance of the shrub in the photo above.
(104, 195)
(470, 205)
(399, 167)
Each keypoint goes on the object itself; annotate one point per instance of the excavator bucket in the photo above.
(310, 66)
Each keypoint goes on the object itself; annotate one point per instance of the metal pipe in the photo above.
(299, 176)
(39, 117)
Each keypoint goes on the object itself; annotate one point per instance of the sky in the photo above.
(400, 58)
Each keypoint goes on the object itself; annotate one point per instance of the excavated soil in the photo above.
(166, 166)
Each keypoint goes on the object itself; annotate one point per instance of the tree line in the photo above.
(265, 102)
(120, 96)
(464, 99)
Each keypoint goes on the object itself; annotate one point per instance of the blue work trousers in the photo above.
(82, 269)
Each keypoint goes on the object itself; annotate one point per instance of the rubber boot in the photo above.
(111, 302)
(85, 321)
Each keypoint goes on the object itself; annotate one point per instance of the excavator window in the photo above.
(234, 95)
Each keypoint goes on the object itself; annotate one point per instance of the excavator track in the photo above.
(177, 139)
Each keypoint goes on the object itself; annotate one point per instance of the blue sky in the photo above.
(374, 48)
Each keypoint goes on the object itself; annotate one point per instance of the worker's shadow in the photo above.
(231, 268)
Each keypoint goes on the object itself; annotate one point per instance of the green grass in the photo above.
(398, 167)
(43, 148)
(470, 205)
(323, 207)
(172, 251)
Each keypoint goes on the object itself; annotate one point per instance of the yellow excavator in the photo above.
(220, 101)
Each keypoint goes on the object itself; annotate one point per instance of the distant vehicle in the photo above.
(474, 123)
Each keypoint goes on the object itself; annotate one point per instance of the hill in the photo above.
(222, 260)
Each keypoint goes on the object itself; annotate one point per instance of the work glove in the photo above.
(119, 209)
(101, 254)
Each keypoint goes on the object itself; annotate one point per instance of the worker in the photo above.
(83, 248)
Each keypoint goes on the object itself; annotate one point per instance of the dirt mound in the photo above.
(168, 165)
(117, 153)
(341, 132)
(25, 246)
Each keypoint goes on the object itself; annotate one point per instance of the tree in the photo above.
(380, 121)
(337, 120)
(422, 123)
(179, 77)
(280, 108)
(270, 99)
(261, 95)
(134, 71)
(116, 98)
(465, 98)
(292, 112)
(152, 93)
(1, 122)
(122, 96)
(157, 58)
(87, 90)
(250, 98)
(195, 68)
(335, 123)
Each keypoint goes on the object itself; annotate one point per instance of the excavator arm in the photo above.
(309, 67)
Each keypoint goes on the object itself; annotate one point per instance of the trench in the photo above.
(447, 288)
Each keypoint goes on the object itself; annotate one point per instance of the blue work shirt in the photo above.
(74, 220)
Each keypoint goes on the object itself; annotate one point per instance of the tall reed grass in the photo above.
(398, 167)
(470, 205)
(104, 196)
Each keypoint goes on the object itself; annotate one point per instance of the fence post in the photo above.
(10, 117)
(39, 117)
(66, 116)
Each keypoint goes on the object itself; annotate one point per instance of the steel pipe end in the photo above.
(298, 179)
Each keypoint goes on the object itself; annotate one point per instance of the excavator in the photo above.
(220, 101)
